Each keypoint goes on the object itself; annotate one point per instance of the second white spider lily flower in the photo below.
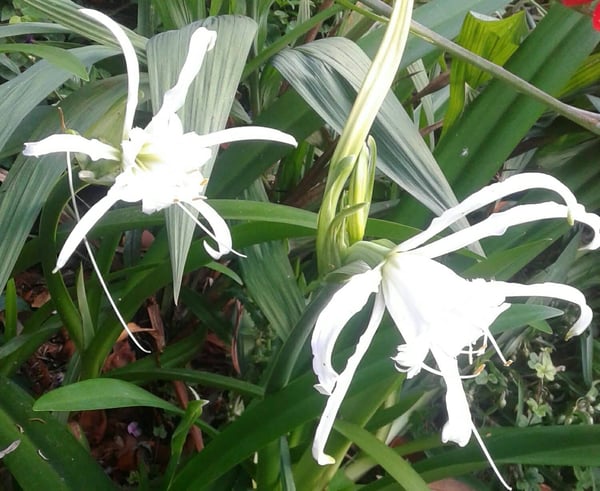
(161, 165)
(436, 310)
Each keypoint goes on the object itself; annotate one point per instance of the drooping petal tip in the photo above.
(84, 226)
(131, 61)
(344, 304)
(593, 222)
(585, 319)
(343, 382)
(321, 457)
(220, 231)
(458, 429)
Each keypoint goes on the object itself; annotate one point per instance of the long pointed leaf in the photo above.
(48, 456)
(30, 179)
(499, 118)
(340, 66)
(208, 103)
(270, 279)
(67, 14)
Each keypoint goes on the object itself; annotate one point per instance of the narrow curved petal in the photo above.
(241, 133)
(498, 223)
(71, 143)
(201, 42)
(220, 231)
(84, 226)
(343, 383)
(486, 195)
(344, 304)
(458, 427)
(551, 290)
(489, 457)
(133, 70)
(591, 220)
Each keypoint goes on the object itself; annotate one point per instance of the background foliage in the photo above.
(238, 332)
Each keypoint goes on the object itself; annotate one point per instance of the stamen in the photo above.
(95, 264)
(429, 369)
(488, 335)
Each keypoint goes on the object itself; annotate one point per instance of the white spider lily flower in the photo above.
(436, 310)
(161, 165)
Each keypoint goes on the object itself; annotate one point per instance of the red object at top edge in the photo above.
(595, 15)
(572, 3)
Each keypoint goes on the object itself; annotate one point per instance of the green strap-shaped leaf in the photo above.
(30, 179)
(192, 413)
(270, 279)
(21, 94)
(282, 411)
(443, 17)
(48, 456)
(575, 445)
(395, 465)
(327, 74)
(22, 28)
(239, 166)
(499, 118)
(100, 393)
(208, 102)
(67, 14)
(519, 315)
(59, 57)
(493, 39)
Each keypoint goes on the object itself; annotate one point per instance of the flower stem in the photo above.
(352, 139)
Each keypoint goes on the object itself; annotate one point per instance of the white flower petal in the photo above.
(241, 133)
(84, 226)
(430, 303)
(551, 290)
(201, 42)
(133, 70)
(220, 231)
(487, 195)
(343, 383)
(71, 143)
(190, 157)
(344, 304)
(459, 425)
(498, 223)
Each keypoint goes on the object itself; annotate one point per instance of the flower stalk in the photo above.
(352, 139)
